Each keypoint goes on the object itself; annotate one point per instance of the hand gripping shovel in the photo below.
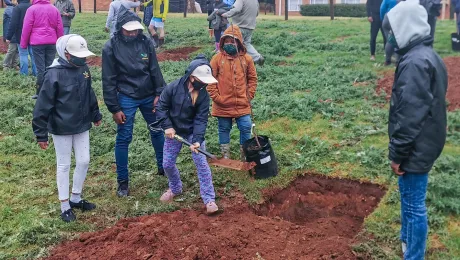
(213, 160)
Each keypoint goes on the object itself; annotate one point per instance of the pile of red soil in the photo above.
(3, 46)
(453, 90)
(167, 55)
(315, 218)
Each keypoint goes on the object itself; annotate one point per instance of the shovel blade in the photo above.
(232, 164)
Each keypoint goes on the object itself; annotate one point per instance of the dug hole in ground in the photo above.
(314, 218)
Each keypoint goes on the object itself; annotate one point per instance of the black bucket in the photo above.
(455, 42)
(263, 156)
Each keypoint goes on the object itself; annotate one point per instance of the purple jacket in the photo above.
(42, 24)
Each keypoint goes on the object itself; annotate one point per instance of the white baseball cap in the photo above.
(77, 46)
(204, 74)
(132, 26)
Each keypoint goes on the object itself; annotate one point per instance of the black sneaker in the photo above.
(123, 189)
(68, 216)
(387, 63)
(84, 205)
(34, 97)
(161, 172)
(261, 61)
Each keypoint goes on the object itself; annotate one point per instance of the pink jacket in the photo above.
(42, 24)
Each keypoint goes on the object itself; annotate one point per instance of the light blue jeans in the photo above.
(414, 217)
(244, 124)
(66, 30)
(24, 61)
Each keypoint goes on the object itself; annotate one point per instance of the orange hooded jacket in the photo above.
(237, 78)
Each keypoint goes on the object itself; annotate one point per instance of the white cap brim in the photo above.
(207, 80)
(82, 54)
(132, 26)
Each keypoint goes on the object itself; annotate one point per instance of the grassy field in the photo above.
(308, 61)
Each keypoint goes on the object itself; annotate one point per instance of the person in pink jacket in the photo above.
(42, 27)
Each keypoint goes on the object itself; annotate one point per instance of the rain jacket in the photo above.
(417, 120)
(67, 103)
(217, 21)
(65, 6)
(160, 8)
(237, 79)
(7, 17)
(17, 21)
(130, 68)
(42, 24)
(176, 108)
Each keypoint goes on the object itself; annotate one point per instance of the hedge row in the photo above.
(341, 10)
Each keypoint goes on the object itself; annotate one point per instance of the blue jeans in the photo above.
(129, 107)
(414, 217)
(24, 61)
(66, 30)
(244, 124)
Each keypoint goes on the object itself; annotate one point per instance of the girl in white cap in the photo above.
(66, 107)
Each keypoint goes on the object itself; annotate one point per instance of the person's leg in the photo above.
(9, 57)
(403, 233)
(63, 148)
(24, 61)
(66, 30)
(217, 35)
(16, 56)
(50, 54)
(204, 175)
(432, 23)
(375, 27)
(32, 60)
(39, 58)
(413, 198)
(161, 38)
(247, 38)
(81, 151)
(157, 137)
(244, 124)
(458, 23)
(171, 150)
(224, 128)
(124, 137)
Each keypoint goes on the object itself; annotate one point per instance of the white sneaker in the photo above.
(211, 208)
(168, 196)
(403, 247)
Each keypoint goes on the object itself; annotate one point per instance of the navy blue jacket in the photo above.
(175, 106)
(17, 20)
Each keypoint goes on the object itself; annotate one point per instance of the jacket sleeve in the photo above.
(212, 89)
(368, 7)
(133, 4)
(60, 27)
(71, 10)
(165, 9)
(13, 24)
(251, 77)
(108, 23)
(96, 113)
(237, 7)
(148, 3)
(27, 28)
(109, 83)
(163, 106)
(8, 2)
(155, 71)
(201, 119)
(411, 111)
(212, 16)
(43, 107)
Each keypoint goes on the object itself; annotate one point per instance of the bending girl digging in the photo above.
(183, 108)
(66, 107)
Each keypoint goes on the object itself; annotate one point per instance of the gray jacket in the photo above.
(218, 22)
(65, 6)
(244, 13)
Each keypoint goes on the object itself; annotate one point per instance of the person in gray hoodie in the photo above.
(417, 119)
(67, 11)
(244, 14)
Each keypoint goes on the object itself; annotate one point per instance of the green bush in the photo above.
(342, 10)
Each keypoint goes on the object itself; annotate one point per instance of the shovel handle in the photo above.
(182, 140)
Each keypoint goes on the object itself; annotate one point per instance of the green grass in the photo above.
(343, 138)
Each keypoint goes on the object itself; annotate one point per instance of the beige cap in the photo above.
(132, 26)
(77, 46)
(204, 74)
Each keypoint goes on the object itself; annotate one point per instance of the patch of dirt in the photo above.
(453, 90)
(3, 46)
(167, 55)
(315, 218)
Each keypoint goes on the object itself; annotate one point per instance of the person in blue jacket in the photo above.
(385, 7)
(12, 56)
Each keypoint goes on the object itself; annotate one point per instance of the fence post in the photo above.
(94, 6)
(185, 8)
(331, 8)
(79, 6)
(286, 9)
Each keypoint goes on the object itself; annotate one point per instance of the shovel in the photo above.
(213, 160)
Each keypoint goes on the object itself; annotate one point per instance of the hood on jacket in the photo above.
(409, 22)
(124, 16)
(8, 3)
(34, 2)
(234, 32)
(195, 63)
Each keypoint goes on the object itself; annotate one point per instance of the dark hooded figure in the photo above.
(131, 80)
(417, 120)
